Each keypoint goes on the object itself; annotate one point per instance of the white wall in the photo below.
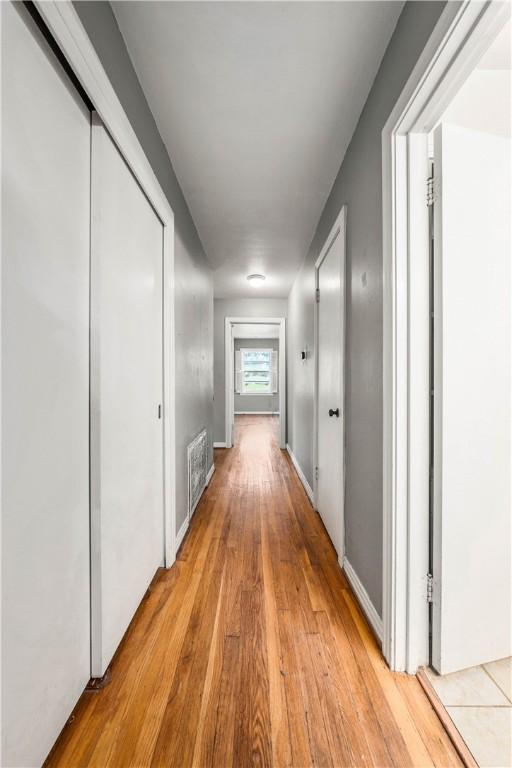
(473, 387)
(493, 114)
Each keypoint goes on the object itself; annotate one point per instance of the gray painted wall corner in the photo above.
(359, 186)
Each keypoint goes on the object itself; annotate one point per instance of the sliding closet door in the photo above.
(45, 393)
(126, 397)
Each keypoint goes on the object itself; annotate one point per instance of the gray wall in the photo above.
(193, 276)
(255, 403)
(359, 186)
(257, 307)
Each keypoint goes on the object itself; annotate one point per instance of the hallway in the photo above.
(251, 650)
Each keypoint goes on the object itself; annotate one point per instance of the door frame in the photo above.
(229, 372)
(66, 28)
(462, 33)
(339, 227)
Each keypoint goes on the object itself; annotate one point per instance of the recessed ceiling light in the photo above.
(256, 280)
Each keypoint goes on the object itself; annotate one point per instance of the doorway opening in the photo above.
(447, 380)
(471, 335)
(255, 375)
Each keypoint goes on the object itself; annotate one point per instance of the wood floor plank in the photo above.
(176, 738)
(363, 727)
(345, 662)
(280, 729)
(137, 735)
(205, 729)
(253, 742)
(389, 684)
(251, 650)
(317, 730)
(119, 743)
(223, 749)
(137, 644)
(336, 724)
(295, 704)
(436, 740)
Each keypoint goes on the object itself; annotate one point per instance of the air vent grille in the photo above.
(197, 453)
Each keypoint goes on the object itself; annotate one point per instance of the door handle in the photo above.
(334, 412)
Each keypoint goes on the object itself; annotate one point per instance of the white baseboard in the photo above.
(301, 475)
(219, 445)
(210, 474)
(181, 533)
(363, 599)
(256, 413)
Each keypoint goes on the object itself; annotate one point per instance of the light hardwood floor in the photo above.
(251, 650)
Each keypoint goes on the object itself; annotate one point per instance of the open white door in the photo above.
(471, 621)
(127, 519)
(330, 377)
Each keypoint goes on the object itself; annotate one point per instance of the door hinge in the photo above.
(430, 191)
(316, 473)
(317, 295)
(430, 588)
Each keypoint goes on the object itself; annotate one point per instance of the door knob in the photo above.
(334, 412)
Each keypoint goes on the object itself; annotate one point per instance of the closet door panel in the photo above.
(126, 390)
(45, 393)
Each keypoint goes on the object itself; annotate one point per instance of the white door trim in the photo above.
(64, 24)
(339, 226)
(462, 34)
(229, 352)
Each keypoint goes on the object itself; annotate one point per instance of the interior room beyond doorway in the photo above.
(255, 372)
(256, 375)
(470, 411)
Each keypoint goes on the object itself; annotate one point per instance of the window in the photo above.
(256, 378)
(256, 371)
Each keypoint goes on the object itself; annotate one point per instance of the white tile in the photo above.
(488, 733)
(469, 687)
(501, 673)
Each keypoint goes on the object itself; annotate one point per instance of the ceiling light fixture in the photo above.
(256, 280)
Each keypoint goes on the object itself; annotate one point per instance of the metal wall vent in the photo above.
(197, 457)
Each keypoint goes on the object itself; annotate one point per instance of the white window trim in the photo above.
(69, 33)
(269, 392)
(459, 38)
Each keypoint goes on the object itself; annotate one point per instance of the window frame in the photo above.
(268, 392)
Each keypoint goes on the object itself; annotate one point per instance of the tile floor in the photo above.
(479, 701)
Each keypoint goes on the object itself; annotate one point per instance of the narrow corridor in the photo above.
(252, 650)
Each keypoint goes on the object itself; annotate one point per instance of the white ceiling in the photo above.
(256, 103)
(499, 54)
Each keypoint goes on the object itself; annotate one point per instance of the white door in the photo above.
(46, 137)
(126, 395)
(472, 399)
(330, 371)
